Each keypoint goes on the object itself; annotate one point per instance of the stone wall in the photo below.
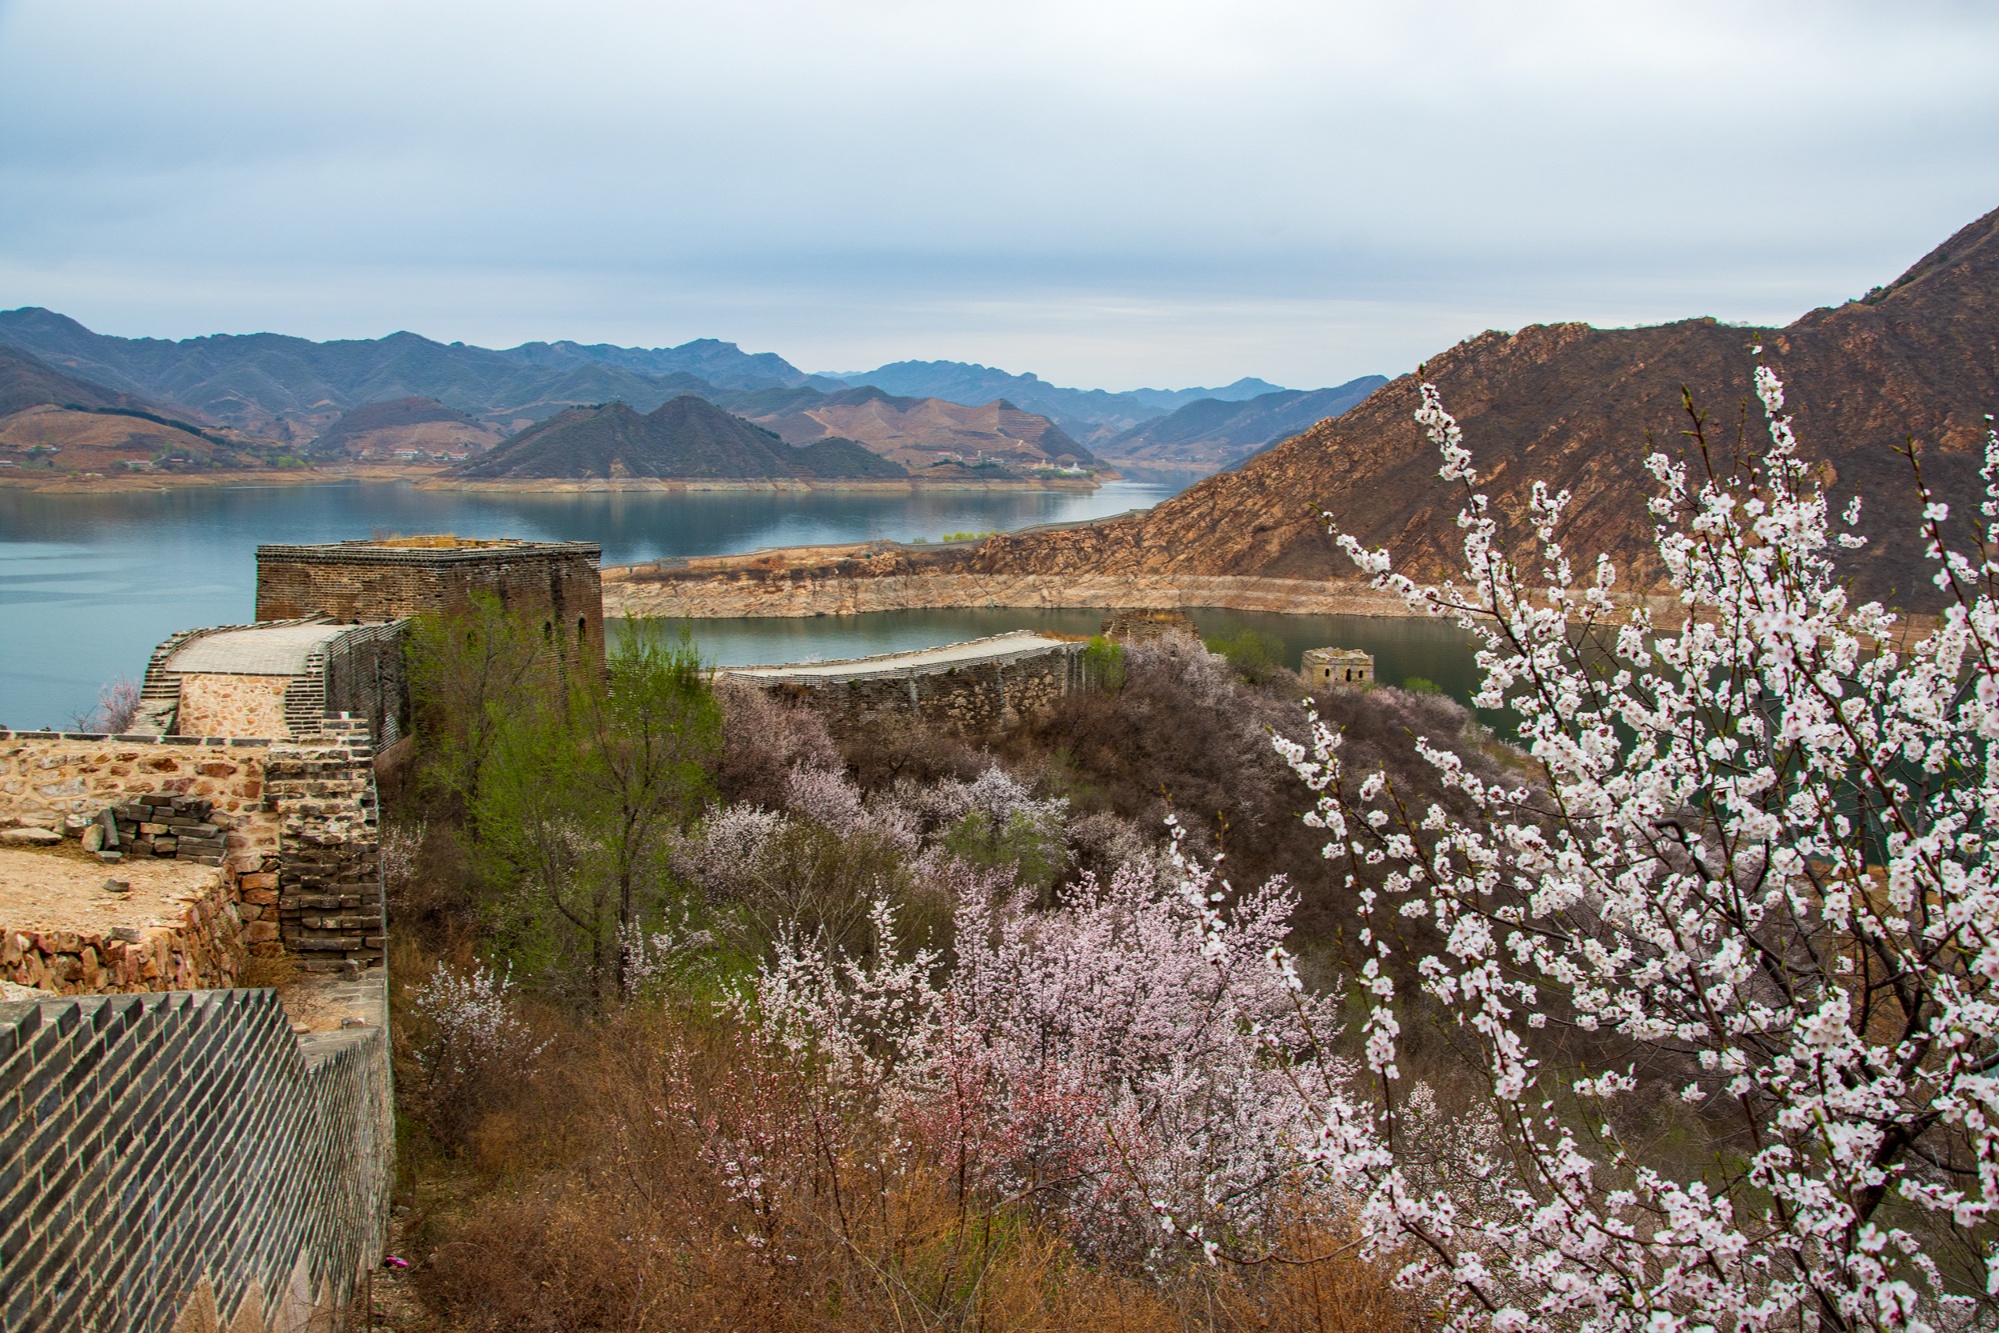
(972, 698)
(213, 704)
(557, 582)
(181, 1162)
(199, 945)
(297, 820)
(363, 673)
(64, 781)
(329, 881)
(736, 586)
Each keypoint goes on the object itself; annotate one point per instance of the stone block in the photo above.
(30, 837)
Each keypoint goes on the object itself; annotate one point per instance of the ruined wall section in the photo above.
(185, 1161)
(294, 823)
(971, 698)
(329, 880)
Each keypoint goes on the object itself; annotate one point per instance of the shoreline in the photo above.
(132, 482)
(428, 477)
(800, 485)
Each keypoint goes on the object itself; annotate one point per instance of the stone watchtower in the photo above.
(394, 578)
(1337, 666)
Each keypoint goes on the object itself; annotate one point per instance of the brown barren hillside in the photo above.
(917, 432)
(52, 424)
(1580, 408)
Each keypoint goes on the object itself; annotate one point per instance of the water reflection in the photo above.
(90, 583)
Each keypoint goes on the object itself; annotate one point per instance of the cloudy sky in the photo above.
(1108, 194)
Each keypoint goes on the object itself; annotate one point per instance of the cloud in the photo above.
(1103, 193)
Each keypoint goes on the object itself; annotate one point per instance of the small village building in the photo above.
(1337, 666)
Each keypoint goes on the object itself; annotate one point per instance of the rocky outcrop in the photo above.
(840, 581)
(1581, 408)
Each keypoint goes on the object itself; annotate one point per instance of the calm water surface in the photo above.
(90, 583)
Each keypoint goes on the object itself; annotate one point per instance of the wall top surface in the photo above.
(263, 650)
(375, 553)
(998, 648)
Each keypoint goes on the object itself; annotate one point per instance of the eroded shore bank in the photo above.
(888, 576)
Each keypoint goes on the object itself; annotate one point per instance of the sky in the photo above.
(1107, 194)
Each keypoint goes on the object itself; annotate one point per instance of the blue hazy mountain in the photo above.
(1215, 432)
(293, 389)
(965, 382)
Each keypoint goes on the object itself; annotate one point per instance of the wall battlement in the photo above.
(185, 1161)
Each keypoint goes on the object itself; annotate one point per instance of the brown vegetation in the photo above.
(588, 1194)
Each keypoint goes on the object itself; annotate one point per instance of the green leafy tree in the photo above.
(582, 803)
(472, 673)
(1103, 663)
(1254, 654)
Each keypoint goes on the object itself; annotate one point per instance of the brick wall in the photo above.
(184, 1161)
(364, 678)
(557, 582)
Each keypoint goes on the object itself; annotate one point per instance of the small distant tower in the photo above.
(1337, 666)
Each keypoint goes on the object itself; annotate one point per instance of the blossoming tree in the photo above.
(1753, 874)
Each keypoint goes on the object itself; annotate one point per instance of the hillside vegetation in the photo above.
(582, 873)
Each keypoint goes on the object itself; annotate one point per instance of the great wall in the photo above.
(180, 1152)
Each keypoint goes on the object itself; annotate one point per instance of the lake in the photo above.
(90, 583)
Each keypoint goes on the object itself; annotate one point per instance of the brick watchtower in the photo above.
(390, 579)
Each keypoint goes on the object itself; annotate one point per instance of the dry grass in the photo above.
(439, 541)
(590, 1195)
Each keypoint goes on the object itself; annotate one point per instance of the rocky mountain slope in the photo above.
(403, 427)
(685, 438)
(1215, 433)
(915, 432)
(1580, 408)
(51, 422)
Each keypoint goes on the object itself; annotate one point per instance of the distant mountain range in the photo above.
(1090, 414)
(1217, 433)
(296, 394)
(685, 438)
(913, 431)
(46, 415)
